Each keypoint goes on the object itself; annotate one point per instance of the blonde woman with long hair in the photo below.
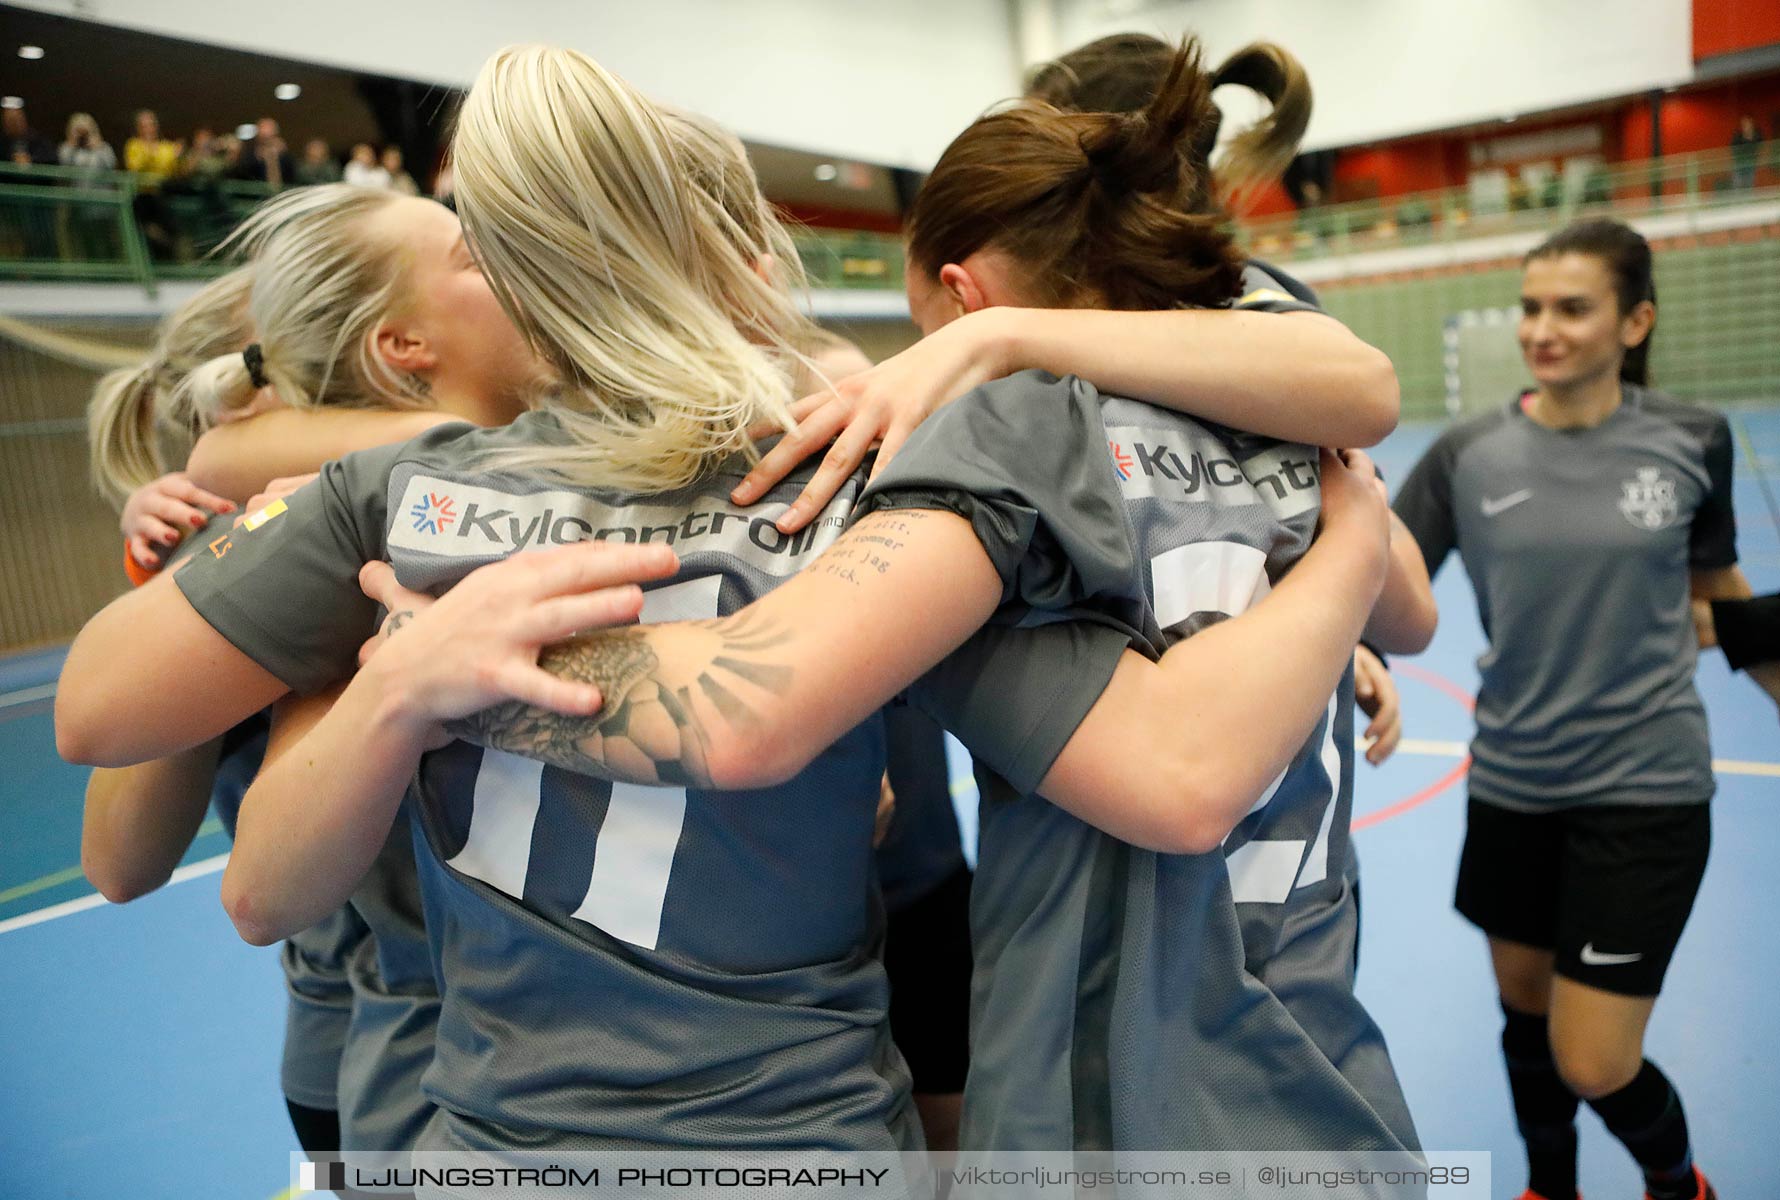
(345, 330)
(671, 964)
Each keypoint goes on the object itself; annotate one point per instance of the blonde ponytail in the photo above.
(323, 285)
(138, 426)
(626, 252)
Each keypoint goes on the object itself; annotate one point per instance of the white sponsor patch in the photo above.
(1194, 467)
(451, 519)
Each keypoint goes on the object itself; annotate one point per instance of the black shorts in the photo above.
(1608, 888)
(927, 957)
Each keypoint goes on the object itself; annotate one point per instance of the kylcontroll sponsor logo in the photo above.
(434, 512)
(1191, 466)
(1649, 500)
(1122, 462)
(449, 519)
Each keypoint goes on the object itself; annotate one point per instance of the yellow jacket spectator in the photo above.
(149, 154)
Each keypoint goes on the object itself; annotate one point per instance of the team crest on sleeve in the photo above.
(1649, 500)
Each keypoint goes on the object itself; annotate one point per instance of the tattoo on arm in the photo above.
(652, 729)
(870, 547)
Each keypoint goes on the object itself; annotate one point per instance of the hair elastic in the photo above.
(255, 358)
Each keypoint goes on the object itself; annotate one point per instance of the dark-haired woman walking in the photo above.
(1589, 513)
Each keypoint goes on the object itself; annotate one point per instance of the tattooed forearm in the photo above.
(659, 717)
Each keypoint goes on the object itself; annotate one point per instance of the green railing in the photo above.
(60, 223)
(64, 224)
(1681, 182)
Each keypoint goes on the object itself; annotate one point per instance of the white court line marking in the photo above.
(1437, 749)
(207, 866)
(27, 695)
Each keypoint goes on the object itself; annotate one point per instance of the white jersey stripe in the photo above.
(1262, 872)
(499, 848)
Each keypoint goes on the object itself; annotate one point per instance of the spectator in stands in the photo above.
(210, 159)
(149, 154)
(25, 147)
(399, 179)
(91, 227)
(155, 160)
(201, 155)
(318, 165)
(364, 169)
(87, 151)
(1745, 151)
(266, 159)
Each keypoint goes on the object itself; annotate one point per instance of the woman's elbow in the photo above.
(208, 467)
(1377, 396)
(1412, 630)
(246, 915)
(82, 728)
(115, 881)
(765, 757)
(1190, 814)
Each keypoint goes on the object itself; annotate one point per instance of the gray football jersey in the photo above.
(1578, 544)
(319, 1006)
(1127, 999)
(622, 966)
(358, 1030)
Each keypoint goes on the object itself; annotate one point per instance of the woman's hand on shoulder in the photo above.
(158, 515)
(880, 406)
(478, 645)
(1355, 503)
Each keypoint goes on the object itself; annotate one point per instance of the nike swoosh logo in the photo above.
(1494, 507)
(1594, 958)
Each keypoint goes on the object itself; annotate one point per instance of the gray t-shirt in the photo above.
(1125, 999)
(622, 966)
(315, 960)
(1578, 544)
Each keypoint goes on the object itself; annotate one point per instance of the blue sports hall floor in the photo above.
(139, 1045)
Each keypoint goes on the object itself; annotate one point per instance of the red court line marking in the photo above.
(1415, 801)
(1439, 683)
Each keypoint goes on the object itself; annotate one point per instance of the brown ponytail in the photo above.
(1122, 72)
(1094, 208)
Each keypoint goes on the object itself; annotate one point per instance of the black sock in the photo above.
(1646, 1115)
(1544, 1107)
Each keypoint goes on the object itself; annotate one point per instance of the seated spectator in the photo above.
(364, 170)
(155, 160)
(399, 180)
(266, 160)
(318, 165)
(91, 228)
